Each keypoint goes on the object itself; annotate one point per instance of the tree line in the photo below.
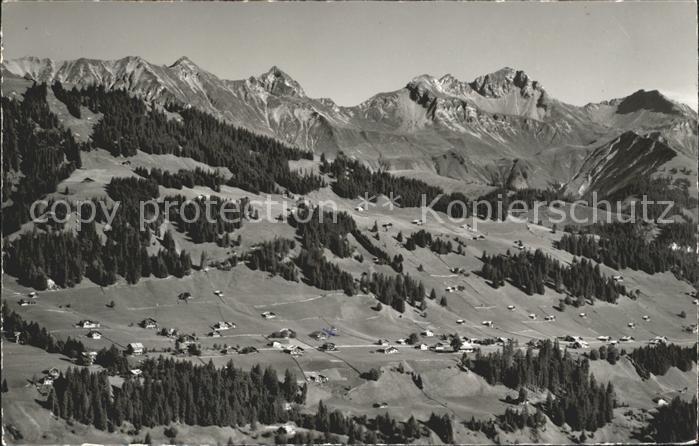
(37, 154)
(361, 429)
(673, 423)
(574, 395)
(323, 274)
(258, 163)
(31, 333)
(424, 239)
(657, 191)
(383, 257)
(318, 228)
(65, 258)
(273, 257)
(206, 219)
(184, 178)
(175, 391)
(355, 180)
(394, 291)
(180, 391)
(71, 98)
(514, 419)
(657, 359)
(532, 272)
(627, 245)
(495, 204)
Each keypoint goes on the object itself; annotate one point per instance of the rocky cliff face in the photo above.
(503, 126)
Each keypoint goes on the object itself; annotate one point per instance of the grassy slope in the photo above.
(306, 309)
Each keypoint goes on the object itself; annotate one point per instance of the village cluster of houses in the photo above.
(467, 345)
(280, 339)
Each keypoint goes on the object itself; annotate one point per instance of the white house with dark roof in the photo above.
(88, 324)
(135, 348)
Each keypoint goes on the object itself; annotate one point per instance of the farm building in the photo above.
(94, 334)
(467, 347)
(294, 350)
(88, 358)
(149, 322)
(316, 377)
(223, 325)
(390, 350)
(134, 348)
(441, 347)
(318, 335)
(183, 342)
(328, 347)
(88, 324)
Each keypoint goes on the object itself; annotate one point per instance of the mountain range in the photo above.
(501, 129)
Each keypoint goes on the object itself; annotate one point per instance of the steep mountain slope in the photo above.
(499, 123)
(612, 165)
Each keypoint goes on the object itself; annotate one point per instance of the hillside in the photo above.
(441, 320)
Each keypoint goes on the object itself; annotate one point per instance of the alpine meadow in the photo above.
(494, 256)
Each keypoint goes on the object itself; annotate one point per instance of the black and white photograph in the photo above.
(237, 223)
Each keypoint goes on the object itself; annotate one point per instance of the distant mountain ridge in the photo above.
(483, 128)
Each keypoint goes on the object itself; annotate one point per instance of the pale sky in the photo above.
(580, 52)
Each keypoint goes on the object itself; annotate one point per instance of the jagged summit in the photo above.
(445, 85)
(493, 85)
(184, 62)
(31, 67)
(504, 80)
(277, 82)
(497, 114)
(453, 86)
